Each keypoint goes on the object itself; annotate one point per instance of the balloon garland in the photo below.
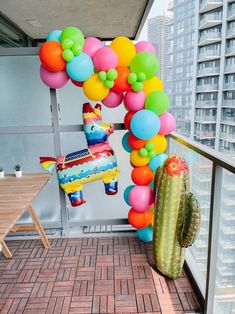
(122, 72)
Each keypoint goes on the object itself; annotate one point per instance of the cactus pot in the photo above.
(18, 174)
(1, 174)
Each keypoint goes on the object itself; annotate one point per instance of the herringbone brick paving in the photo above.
(89, 275)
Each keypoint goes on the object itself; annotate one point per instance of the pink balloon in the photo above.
(141, 197)
(168, 123)
(105, 58)
(91, 45)
(113, 99)
(134, 101)
(145, 46)
(53, 79)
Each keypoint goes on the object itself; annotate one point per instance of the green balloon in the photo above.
(74, 34)
(108, 83)
(77, 49)
(145, 62)
(112, 74)
(67, 55)
(149, 146)
(157, 101)
(152, 153)
(102, 75)
(141, 77)
(132, 78)
(137, 87)
(67, 43)
(143, 152)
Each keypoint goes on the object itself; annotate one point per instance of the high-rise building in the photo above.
(202, 72)
(158, 31)
(180, 64)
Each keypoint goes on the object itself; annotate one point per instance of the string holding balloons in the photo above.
(122, 72)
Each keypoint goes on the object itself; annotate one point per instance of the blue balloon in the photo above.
(125, 142)
(80, 68)
(54, 35)
(145, 124)
(145, 234)
(127, 192)
(157, 161)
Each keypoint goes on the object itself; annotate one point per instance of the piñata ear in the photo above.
(97, 111)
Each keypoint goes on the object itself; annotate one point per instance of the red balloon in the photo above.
(142, 175)
(127, 119)
(76, 83)
(139, 220)
(50, 54)
(121, 84)
(135, 142)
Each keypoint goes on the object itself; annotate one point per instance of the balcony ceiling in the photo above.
(105, 19)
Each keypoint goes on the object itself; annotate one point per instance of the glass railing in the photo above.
(205, 118)
(208, 71)
(231, 31)
(229, 85)
(231, 12)
(227, 136)
(212, 17)
(229, 102)
(206, 103)
(209, 53)
(209, 35)
(206, 87)
(228, 119)
(230, 67)
(230, 49)
(211, 258)
(204, 133)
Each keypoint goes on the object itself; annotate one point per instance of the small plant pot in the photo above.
(1, 174)
(18, 174)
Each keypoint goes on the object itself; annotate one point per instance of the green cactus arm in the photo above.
(191, 221)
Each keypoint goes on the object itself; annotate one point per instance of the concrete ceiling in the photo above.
(105, 19)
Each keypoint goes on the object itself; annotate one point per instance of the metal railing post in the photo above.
(59, 152)
(215, 203)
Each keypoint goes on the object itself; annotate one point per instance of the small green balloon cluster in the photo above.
(108, 77)
(136, 81)
(72, 41)
(148, 150)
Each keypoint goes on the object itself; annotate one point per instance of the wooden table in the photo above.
(16, 196)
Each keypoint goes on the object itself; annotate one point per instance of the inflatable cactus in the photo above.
(177, 216)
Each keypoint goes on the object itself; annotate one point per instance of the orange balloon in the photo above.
(50, 54)
(142, 175)
(127, 119)
(121, 84)
(135, 142)
(139, 220)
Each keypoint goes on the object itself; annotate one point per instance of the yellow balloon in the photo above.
(137, 160)
(160, 143)
(124, 49)
(94, 88)
(152, 85)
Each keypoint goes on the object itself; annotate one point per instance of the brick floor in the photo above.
(89, 275)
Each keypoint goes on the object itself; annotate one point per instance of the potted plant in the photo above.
(18, 171)
(1, 172)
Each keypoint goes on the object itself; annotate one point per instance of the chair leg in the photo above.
(5, 250)
(39, 227)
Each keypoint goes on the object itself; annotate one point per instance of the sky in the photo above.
(159, 7)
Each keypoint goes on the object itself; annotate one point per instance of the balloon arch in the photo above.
(121, 72)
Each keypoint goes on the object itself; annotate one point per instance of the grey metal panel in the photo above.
(216, 190)
(23, 51)
(26, 129)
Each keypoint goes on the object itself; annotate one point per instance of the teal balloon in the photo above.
(80, 68)
(54, 35)
(125, 142)
(145, 234)
(127, 192)
(145, 62)
(157, 161)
